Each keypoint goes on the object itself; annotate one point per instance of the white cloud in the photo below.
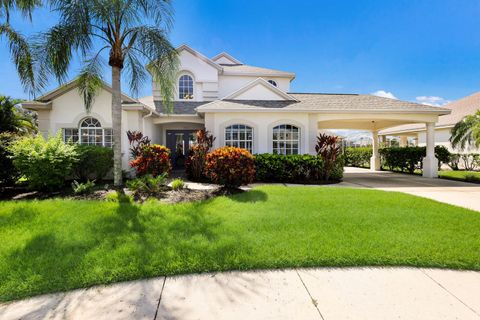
(432, 101)
(384, 94)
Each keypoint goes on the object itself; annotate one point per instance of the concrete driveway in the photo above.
(328, 294)
(462, 194)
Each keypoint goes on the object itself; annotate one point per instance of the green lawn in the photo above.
(55, 245)
(468, 176)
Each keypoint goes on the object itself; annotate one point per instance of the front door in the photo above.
(179, 142)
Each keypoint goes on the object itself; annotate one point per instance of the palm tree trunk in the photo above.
(117, 126)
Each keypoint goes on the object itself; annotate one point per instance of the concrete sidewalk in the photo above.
(355, 293)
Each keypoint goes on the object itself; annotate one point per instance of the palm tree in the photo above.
(466, 132)
(14, 119)
(19, 47)
(132, 33)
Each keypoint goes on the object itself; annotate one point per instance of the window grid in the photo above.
(185, 87)
(239, 135)
(286, 139)
(90, 132)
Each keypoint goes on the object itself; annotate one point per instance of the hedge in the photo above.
(94, 162)
(358, 157)
(293, 168)
(408, 159)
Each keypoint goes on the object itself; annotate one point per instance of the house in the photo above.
(416, 131)
(241, 105)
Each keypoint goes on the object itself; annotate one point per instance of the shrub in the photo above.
(328, 149)
(137, 141)
(358, 157)
(152, 159)
(230, 167)
(8, 172)
(178, 184)
(410, 158)
(288, 168)
(454, 162)
(469, 161)
(44, 162)
(195, 164)
(94, 162)
(148, 185)
(83, 188)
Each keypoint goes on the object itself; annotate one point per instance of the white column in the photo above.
(375, 159)
(430, 162)
(312, 134)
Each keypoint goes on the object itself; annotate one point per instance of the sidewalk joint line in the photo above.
(160, 298)
(441, 286)
(314, 302)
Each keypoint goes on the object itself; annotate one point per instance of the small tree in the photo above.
(329, 149)
(195, 164)
(466, 132)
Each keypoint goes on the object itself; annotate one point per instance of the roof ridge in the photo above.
(326, 94)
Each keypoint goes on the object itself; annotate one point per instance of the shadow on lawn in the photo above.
(250, 196)
(131, 242)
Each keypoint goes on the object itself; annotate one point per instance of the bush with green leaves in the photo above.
(45, 163)
(409, 159)
(178, 184)
(8, 173)
(94, 162)
(358, 157)
(148, 185)
(293, 168)
(83, 188)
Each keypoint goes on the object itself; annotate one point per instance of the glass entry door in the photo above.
(179, 142)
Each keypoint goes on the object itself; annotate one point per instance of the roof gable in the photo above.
(260, 89)
(225, 58)
(198, 55)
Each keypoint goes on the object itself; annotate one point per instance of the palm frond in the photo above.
(32, 76)
(136, 72)
(161, 57)
(90, 81)
(466, 132)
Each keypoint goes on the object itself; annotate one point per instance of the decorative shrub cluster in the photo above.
(152, 159)
(410, 158)
(94, 162)
(8, 172)
(328, 148)
(44, 162)
(230, 167)
(195, 164)
(148, 185)
(466, 161)
(288, 168)
(83, 188)
(178, 184)
(358, 157)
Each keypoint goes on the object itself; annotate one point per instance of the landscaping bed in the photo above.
(59, 244)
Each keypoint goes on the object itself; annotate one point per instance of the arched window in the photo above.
(286, 139)
(239, 135)
(92, 133)
(185, 87)
(272, 82)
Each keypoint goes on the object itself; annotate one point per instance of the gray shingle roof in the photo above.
(326, 102)
(180, 107)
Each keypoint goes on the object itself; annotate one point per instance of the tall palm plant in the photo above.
(131, 33)
(466, 132)
(19, 46)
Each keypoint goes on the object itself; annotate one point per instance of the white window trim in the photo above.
(299, 138)
(246, 126)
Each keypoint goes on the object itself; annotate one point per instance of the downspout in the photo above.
(143, 120)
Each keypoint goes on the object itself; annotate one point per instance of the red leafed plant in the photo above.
(230, 167)
(328, 148)
(137, 141)
(152, 159)
(195, 164)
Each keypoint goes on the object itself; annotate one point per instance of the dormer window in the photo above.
(185, 87)
(273, 83)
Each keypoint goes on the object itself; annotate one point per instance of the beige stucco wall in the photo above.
(262, 124)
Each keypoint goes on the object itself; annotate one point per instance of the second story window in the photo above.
(185, 87)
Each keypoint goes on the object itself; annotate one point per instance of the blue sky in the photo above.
(408, 48)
